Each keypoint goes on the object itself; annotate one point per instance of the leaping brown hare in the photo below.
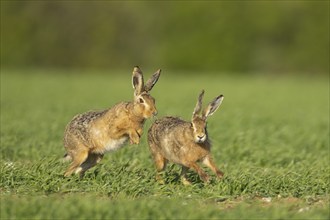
(90, 135)
(185, 143)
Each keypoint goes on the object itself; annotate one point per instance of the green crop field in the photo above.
(270, 137)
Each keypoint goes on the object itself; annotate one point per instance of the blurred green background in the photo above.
(213, 36)
(270, 137)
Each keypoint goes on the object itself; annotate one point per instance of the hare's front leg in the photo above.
(134, 136)
(208, 161)
(201, 173)
(183, 176)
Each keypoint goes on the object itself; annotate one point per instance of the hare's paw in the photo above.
(159, 178)
(219, 174)
(205, 178)
(185, 181)
(134, 141)
(134, 137)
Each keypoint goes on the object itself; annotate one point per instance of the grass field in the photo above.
(270, 137)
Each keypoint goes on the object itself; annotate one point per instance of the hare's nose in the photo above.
(200, 136)
(155, 113)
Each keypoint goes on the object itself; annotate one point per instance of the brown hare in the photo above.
(185, 143)
(90, 135)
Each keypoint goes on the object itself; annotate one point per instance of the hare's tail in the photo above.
(66, 158)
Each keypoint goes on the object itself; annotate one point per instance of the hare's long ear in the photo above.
(213, 106)
(137, 81)
(152, 81)
(198, 106)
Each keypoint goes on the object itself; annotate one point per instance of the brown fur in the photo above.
(185, 143)
(90, 135)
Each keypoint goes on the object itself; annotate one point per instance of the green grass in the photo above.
(270, 137)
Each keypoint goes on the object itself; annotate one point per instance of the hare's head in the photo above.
(199, 117)
(144, 103)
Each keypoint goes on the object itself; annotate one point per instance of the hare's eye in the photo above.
(141, 100)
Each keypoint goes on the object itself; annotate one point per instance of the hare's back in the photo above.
(83, 121)
(168, 125)
(169, 122)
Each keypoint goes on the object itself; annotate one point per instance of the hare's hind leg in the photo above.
(208, 161)
(91, 161)
(160, 162)
(77, 159)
